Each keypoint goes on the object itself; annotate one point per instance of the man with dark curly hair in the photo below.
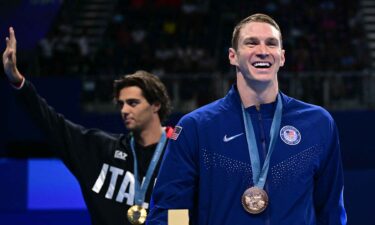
(116, 172)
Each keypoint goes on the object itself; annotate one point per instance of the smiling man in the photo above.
(256, 156)
(116, 172)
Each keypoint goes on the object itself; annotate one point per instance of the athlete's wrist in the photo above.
(18, 82)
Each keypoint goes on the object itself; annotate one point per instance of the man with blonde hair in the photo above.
(256, 156)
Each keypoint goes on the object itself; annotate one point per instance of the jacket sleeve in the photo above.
(177, 183)
(329, 184)
(72, 142)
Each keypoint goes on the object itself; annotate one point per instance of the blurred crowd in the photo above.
(179, 37)
(176, 36)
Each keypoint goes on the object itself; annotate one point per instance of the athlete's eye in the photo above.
(132, 102)
(272, 42)
(251, 42)
(119, 104)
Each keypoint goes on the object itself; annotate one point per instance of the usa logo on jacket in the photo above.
(290, 135)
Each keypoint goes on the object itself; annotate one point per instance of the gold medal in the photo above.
(254, 200)
(137, 215)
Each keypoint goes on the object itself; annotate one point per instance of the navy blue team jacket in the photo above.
(207, 168)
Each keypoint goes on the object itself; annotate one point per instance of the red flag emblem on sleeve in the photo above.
(176, 132)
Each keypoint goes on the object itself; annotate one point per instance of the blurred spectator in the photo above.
(46, 53)
(83, 53)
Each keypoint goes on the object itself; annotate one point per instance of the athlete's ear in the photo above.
(282, 62)
(232, 56)
(156, 107)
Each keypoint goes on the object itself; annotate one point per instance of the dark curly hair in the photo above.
(152, 89)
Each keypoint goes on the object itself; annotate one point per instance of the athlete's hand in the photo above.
(10, 59)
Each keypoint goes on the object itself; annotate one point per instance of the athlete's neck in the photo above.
(256, 93)
(148, 136)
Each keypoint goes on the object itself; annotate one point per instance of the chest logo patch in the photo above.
(227, 139)
(120, 155)
(290, 135)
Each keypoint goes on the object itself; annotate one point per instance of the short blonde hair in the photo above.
(258, 17)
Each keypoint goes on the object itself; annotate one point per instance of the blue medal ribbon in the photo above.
(140, 189)
(260, 176)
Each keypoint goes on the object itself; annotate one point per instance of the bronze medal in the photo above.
(137, 215)
(254, 200)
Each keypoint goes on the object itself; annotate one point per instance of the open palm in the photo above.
(10, 59)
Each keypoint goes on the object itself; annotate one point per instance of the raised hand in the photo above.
(10, 58)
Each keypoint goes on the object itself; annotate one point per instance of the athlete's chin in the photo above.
(262, 76)
(130, 126)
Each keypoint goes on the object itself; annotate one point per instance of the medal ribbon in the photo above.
(140, 190)
(259, 176)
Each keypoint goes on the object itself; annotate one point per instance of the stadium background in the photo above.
(72, 50)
